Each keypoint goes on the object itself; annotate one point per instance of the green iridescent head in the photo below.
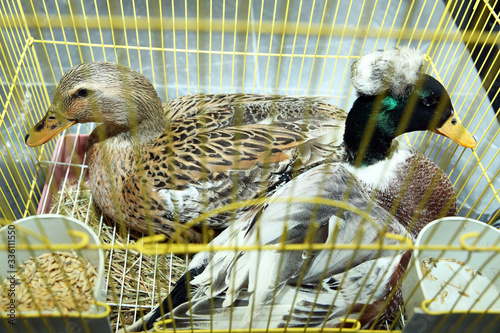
(394, 97)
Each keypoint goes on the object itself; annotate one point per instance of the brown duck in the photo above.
(154, 166)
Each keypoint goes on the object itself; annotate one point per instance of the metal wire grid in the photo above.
(72, 26)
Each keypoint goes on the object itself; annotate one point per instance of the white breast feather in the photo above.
(381, 174)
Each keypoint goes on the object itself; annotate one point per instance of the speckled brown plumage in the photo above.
(214, 149)
(419, 193)
(153, 167)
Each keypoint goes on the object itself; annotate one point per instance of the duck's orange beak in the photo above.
(47, 128)
(453, 129)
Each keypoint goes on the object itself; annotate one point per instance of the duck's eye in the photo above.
(82, 92)
(429, 100)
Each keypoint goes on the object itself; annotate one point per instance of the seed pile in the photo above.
(53, 281)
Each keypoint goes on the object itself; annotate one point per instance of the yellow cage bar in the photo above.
(293, 47)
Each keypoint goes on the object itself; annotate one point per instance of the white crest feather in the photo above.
(396, 70)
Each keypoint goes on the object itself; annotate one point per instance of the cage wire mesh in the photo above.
(295, 48)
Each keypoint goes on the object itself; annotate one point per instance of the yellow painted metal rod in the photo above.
(232, 26)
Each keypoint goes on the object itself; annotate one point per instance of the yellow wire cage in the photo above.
(229, 46)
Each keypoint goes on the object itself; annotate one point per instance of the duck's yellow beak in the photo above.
(47, 128)
(454, 130)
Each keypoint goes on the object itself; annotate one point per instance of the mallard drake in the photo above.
(398, 188)
(403, 99)
(154, 166)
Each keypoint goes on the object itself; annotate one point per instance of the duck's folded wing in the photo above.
(300, 220)
(359, 293)
(244, 109)
(257, 123)
(244, 146)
